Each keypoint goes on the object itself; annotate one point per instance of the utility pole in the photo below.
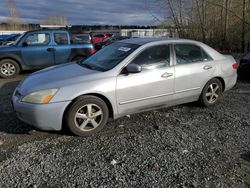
(13, 14)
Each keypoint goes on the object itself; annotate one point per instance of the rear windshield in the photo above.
(110, 56)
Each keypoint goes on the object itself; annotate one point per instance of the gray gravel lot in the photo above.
(183, 146)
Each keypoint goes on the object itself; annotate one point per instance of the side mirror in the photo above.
(25, 44)
(133, 68)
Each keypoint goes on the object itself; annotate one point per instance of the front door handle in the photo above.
(167, 75)
(207, 67)
(51, 49)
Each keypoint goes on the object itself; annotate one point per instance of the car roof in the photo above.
(142, 41)
(47, 30)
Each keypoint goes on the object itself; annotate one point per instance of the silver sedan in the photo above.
(123, 78)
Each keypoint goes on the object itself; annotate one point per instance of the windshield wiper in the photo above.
(79, 62)
(87, 66)
(92, 67)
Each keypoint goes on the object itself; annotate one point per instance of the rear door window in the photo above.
(189, 53)
(61, 38)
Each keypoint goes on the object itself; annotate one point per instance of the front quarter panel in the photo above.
(12, 53)
(101, 86)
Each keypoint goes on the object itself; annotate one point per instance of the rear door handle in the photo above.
(207, 67)
(51, 49)
(167, 75)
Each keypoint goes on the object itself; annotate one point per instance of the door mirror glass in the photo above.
(133, 68)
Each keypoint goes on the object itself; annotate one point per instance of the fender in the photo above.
(14, 57)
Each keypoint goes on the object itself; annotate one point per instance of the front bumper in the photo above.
(41, 116)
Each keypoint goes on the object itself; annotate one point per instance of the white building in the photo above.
(149, 33)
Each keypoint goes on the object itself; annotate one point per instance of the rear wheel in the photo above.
(211, 93)
(87, 115)
(9, 68)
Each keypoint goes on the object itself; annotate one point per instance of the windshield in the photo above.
(17, 40)
(110, 56)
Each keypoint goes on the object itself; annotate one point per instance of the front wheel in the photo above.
(87, 115)
(211, 93)
(9, 68)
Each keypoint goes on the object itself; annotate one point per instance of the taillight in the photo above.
(235, 66)
(93, 50)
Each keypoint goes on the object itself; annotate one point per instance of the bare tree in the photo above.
(224, 24)
(243, 32)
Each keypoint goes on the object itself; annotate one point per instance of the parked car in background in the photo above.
(244, 67)
(9, 39)
(99, 38)
(82, 38)
(102, 44)
(40, 49)
(3, 38)
(109, 41)
(123, 78)
(118, 38)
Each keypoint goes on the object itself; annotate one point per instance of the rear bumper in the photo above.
(41, 116)
(230, 81)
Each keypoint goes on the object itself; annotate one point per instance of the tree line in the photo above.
(223, 24)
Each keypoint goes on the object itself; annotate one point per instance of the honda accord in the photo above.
(126, 77)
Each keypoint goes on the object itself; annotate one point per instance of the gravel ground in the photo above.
(183, 146)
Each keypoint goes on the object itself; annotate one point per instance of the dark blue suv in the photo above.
(39, 49)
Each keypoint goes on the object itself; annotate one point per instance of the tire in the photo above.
(9, 68)
(80, 118)
(211, 93)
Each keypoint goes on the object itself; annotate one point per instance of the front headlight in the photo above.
(40, 97)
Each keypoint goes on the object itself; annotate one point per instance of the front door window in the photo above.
(38, 39)
(154, 57)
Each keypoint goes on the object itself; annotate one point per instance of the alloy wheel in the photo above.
(88, 117)
(212, 93)
(8, 69)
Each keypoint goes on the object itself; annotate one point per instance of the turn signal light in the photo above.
(47, 99)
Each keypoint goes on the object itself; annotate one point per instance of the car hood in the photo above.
(6, 48)
(55, 77)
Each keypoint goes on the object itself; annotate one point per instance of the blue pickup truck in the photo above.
(38, 49)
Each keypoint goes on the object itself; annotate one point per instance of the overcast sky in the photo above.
(113, 12)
